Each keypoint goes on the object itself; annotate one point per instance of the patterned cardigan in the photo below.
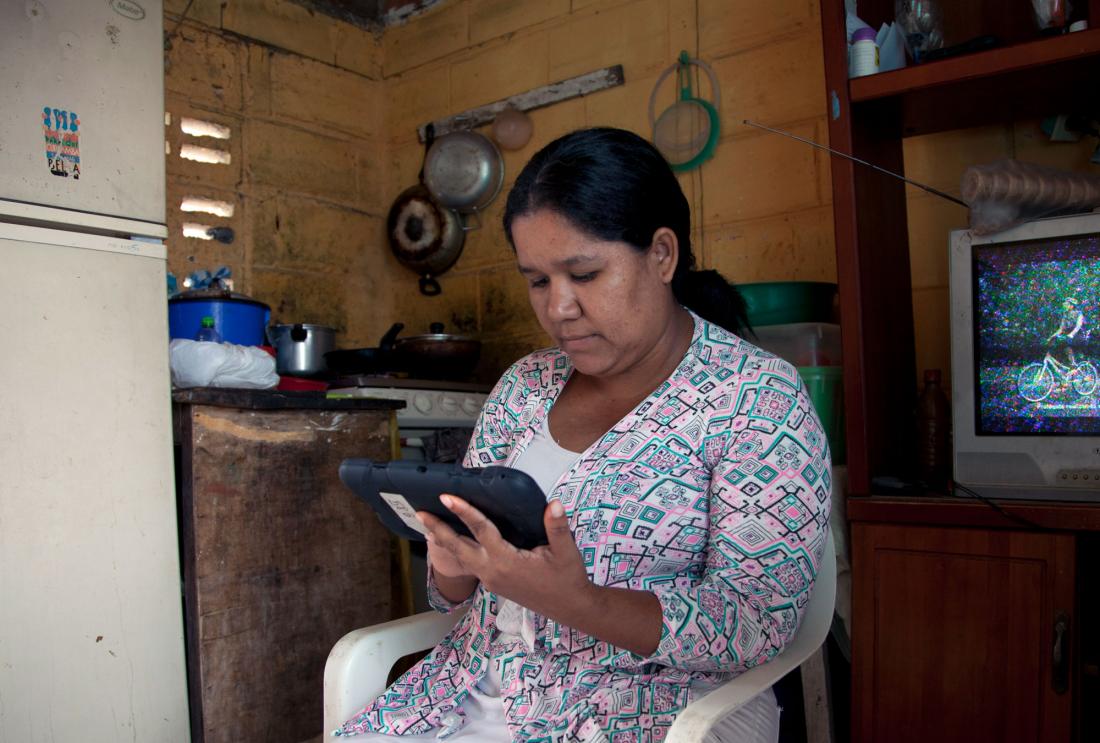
(713, 493)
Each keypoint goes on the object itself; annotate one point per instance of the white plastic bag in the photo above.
(205, 364)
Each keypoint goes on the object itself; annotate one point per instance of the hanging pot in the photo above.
(424, 236)
(464, 171)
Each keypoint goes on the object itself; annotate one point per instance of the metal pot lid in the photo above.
(215, 295)
(436, 334)
(305, 325)
(438, 338)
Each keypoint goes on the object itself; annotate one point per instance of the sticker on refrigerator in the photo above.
(61, 129)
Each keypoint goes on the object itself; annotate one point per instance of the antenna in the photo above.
(838, 153)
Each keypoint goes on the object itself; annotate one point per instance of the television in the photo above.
(1025, 355)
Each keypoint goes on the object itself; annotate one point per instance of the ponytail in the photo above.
(711, 297)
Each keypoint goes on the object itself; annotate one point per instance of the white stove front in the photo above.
(427, 404)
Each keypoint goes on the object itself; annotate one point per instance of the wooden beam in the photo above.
(574, 87)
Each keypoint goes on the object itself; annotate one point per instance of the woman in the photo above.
(686, 471)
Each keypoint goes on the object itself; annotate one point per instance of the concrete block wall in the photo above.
(303, 97)
(324, 115)
(939, 160)
(761, 207)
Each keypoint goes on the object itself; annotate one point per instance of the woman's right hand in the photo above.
(451, 579)
(444, 562)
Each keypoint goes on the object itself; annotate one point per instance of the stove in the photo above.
(434, 426)
(429, 403)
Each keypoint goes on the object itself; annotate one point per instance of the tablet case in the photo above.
(396, 490)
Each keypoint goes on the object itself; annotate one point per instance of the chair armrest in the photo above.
(697, 719)
(359, 664)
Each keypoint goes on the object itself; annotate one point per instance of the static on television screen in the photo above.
(1037, 336)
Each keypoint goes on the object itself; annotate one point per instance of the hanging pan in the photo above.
(424, 236)
(464, 171)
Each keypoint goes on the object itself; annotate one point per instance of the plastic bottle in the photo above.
(933, 432)
(863, 54)
(207, 331)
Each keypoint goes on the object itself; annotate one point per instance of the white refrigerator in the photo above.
(91, 621)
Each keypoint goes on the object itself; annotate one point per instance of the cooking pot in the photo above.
(424, 236)
(437, 355)
(464, 171)
(237, 318)
(300, 348)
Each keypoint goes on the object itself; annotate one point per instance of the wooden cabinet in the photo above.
(868, 117)
(965, 625)
(279, 559)
(956, 605)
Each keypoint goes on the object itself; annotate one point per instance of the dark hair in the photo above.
(616, 186)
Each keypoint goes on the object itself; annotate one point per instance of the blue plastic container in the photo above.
(237, 318)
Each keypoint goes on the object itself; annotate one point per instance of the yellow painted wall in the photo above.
(939, 160)
(761, 207)
(324, 119)
(304, 99)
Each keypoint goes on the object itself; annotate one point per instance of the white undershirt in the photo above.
(545, 461)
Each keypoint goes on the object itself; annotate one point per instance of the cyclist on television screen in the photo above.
(1069, 324)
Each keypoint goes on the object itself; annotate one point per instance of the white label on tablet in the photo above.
(404, 511)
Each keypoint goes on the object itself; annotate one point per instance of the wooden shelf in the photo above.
(987, 64)
(968, 512)
(1009, 83)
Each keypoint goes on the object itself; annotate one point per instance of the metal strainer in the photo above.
(687, 132)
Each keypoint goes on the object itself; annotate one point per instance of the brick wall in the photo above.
(324, 119)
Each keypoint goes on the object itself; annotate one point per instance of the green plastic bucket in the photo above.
(781, 302)
(825, 385)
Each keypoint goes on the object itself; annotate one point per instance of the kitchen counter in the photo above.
(280, 560)
(224, 397)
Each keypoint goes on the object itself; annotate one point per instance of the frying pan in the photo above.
(366, 360)
(434, 355)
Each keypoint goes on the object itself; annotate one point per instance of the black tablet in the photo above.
(397, 490)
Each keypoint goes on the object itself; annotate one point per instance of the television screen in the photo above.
(1037, 336)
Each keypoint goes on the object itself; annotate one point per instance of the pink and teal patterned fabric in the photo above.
(713, 494)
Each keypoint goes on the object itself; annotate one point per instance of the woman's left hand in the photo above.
(550, 580)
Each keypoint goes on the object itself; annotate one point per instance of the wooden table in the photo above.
(279, 559)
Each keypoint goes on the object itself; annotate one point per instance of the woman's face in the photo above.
(605, 303)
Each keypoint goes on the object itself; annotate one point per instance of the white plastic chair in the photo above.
(360, 662)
